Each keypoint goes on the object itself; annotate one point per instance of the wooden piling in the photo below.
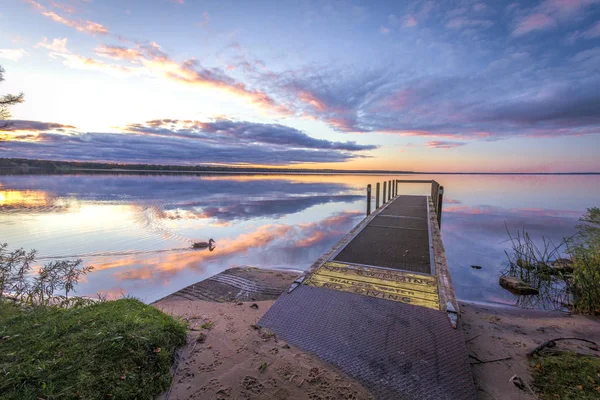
(440, 203)
(368, 199)
(389, 190)
(384, 200)
(377, 196)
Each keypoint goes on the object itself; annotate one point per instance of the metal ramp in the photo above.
(375, 308)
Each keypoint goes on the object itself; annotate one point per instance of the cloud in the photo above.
(384, 30)
(13, 54)
(460, 22)
(118, 53)
(84, 26)
(151, 60)
(533, 22)
(443, 144)
(37, 126)
(204, 21)
(517, 95)
(66, 8)
(409, 22)
(242, 132)
(222, 141)
(550, 13)
(57, 45)
(590, 33)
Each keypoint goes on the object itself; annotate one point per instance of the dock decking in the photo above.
(375, 307)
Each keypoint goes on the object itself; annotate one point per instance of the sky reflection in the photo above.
(137, 230)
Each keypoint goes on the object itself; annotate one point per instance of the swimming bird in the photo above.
(202, 245)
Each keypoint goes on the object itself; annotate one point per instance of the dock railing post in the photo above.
(396, 188)
(377, 196)
(368, 200)
(389, 190)
(439, 205)
(384, 199)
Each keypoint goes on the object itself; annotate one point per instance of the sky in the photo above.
(446, 86)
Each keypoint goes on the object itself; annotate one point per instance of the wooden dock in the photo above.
(380, 304)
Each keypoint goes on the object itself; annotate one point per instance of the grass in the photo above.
(119, 349)
(567, 376)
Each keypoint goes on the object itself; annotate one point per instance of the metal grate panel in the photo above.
(397, 351)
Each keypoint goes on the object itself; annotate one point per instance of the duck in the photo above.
(203, 245)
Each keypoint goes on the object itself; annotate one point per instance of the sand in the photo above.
(238, 361)
(494, 332)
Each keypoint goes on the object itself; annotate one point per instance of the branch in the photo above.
(551, 343)
(489, 361)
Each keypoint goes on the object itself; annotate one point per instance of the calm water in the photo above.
(137, 230)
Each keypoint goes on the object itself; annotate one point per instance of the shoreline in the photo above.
(498, 337)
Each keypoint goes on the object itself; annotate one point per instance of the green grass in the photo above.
(567, 376)
(119, 349)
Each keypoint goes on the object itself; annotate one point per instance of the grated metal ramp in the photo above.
(372, 308)
(397, 351)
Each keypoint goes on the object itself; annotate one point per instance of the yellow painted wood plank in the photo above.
(423, 283)
(415, 289)
(321, 278)
(369, 290)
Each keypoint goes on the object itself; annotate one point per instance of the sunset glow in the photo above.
(415, 86)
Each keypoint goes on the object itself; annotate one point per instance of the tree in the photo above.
(6, 101)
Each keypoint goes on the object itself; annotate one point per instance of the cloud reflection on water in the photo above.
(137, 229)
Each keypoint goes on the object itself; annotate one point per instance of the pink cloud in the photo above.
(444, 144)
(534, 22)
(84, 26)
(410, 21)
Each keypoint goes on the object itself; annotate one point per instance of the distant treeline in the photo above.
(25, 165)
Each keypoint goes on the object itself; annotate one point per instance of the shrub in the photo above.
(584, 249)
(18, 281)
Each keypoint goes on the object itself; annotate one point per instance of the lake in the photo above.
(137, 230)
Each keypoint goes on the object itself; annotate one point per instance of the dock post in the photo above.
(377, 196)
(439, 205)
(384, 200)
(389, 190)
(396, 188)
(368, 199)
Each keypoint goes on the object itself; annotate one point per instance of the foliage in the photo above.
(119, 349)
(567, 376)
(17, 280)
(7, 101)
(584, 250)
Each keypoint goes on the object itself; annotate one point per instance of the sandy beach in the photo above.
(495, 332)
(234, 359)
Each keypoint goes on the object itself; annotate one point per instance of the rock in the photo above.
(563, 265)
(517, 286)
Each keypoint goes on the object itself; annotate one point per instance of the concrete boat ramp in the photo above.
(380, 306)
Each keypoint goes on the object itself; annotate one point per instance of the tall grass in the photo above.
(535, 263)
(584, 250)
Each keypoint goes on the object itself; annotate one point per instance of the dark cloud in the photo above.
(37, 126)
(243, 132)
(187, 142)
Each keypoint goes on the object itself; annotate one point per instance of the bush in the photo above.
(584, 250)
(18, 281)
